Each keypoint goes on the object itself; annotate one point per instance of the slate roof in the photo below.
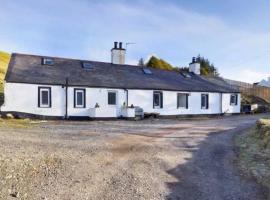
(29, 69)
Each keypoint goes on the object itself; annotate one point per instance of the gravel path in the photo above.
(150, 159)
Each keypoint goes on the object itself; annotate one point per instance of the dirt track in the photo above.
(152, 159)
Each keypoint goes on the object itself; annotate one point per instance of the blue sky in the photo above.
(234, 35)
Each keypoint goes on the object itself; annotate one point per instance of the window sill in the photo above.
(182, 108)
(44, 107)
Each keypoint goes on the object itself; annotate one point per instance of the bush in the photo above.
(263, 132)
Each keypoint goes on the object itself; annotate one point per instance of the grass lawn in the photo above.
(254, 152)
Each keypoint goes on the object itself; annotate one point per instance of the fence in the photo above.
(251, 89)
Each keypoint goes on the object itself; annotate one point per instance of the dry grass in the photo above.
(4, 60)
(254, 152)
(17, 123)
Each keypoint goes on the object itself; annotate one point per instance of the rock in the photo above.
(10, 116)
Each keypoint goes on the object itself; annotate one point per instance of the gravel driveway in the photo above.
(150, 159)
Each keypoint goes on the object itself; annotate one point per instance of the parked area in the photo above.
(149, 159)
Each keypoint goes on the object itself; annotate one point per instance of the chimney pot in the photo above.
(115, 45)
(120, 45)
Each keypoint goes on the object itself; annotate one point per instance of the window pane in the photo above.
(182, 100)
(112, 98)
(233, 99)
(79, 98)
(203, 101)
(45, 97)
(156, 99)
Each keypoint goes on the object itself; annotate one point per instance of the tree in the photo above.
(159, 64)
(207, 69)
(141, 62)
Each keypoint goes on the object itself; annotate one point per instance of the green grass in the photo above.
(254, 152)
(4, 61)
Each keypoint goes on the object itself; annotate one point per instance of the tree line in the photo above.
(207, 68)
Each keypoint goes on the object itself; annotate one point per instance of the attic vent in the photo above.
(186, 74)
(147, 71)
(87, 65)
(47, 61)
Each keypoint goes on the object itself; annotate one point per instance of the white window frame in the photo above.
(41, 104)
(116, 97)
(76, 91)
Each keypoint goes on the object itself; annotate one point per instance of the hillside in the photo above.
(4, 60)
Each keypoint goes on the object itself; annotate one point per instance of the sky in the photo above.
(234, 35)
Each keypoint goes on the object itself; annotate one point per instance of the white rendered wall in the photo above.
(24, 98)
(227, 108)
(144, 99)
(93, 96)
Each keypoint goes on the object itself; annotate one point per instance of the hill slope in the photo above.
(4, 60)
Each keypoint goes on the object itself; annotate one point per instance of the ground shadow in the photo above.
(211, 172)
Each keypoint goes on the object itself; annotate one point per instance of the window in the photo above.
(234, 99)
(205, 101)
(87, 65)
(157, 100)
(111, 98)
(47, 61)
(44, 97)
(79, 98)
(147, 71)
(182, 100)
(186, 74)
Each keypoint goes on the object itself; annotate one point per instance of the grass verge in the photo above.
(18, 123)
(254, 152)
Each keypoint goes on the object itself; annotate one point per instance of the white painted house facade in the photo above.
(65, 88)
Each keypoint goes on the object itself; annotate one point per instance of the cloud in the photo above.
(249, 76)
(87, 29)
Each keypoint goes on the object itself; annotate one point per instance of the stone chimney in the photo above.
(195, 67)
(118, 54)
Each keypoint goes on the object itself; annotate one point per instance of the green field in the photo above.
(4, 60)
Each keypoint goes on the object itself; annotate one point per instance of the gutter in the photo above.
(127, 96)
(66, 108)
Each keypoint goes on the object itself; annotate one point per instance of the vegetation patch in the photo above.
(17, 123)
(4, 60)
(254, 152)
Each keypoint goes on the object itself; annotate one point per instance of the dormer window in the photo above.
(186, 74)
(147, 71)
(87, 65)
(47, 61)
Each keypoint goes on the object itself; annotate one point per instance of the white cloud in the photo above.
(248, 75)
(87, 29)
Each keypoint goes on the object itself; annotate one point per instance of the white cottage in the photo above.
(44, 86)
